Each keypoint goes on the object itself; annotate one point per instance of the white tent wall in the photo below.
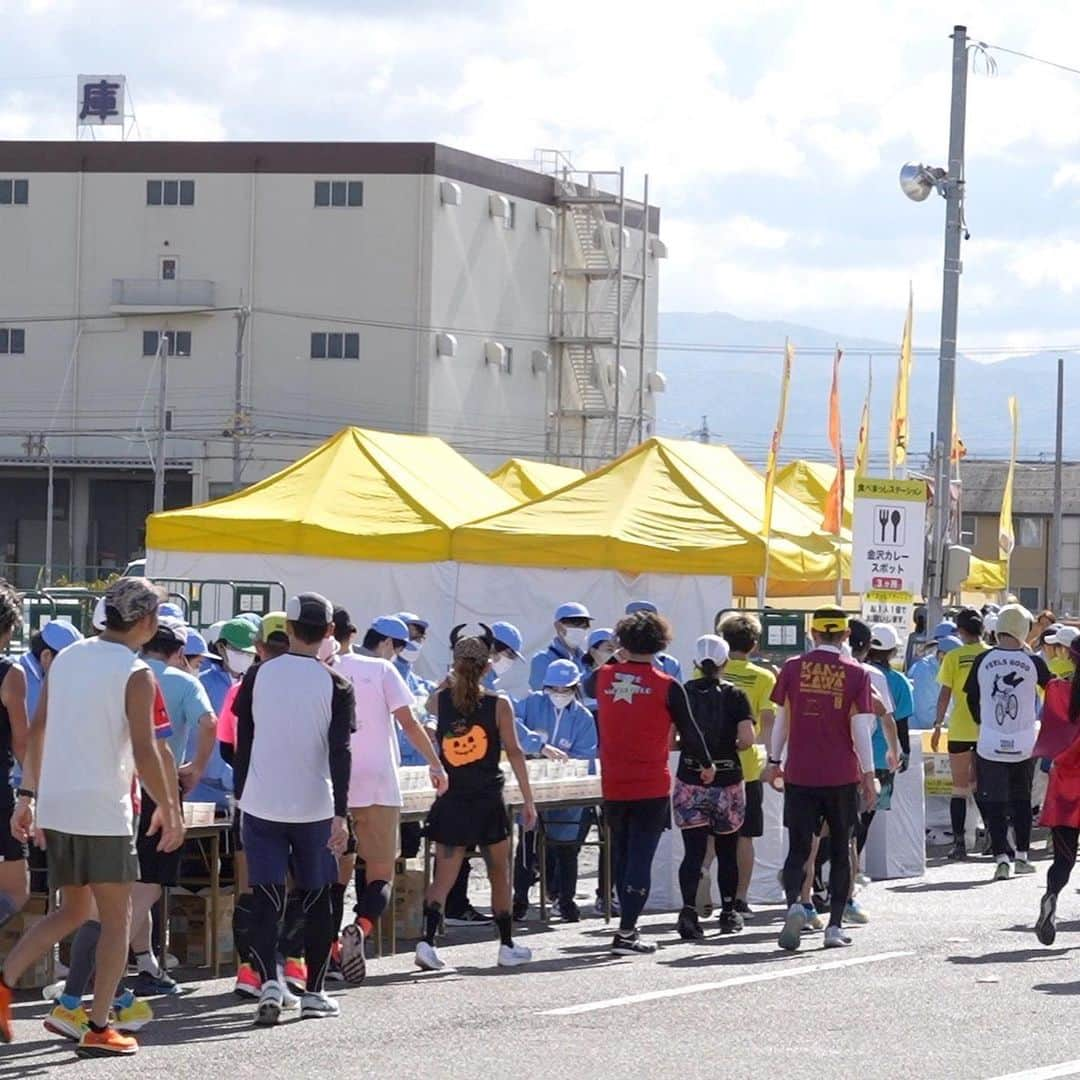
(448, 593)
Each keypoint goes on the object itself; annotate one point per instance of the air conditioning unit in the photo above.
(499, 207)
(658, 248)
(545, 218)
(445, 345)
(541, 362)
(450, 193)
(957, 567)
(655, 382)
(495, 355)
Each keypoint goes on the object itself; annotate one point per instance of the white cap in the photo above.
(883, 637)
(990, 621)
(98, 618)
(711, 647)
(1062, 635)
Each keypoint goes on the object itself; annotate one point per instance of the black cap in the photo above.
(309, 609)
(343, 624)
(859, 636)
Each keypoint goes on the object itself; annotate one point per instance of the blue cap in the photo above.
(58, 634)
(509, 636)
(409, 619)
(562, 673)
(169, 610)
(196, 645)
(944, 629)
(572, 610)
(392, 627)
(600, 635)
(641, 605)
(251, 617)
(947, 644)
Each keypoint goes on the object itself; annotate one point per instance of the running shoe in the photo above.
(631, 945)
(248, 983)
(1021, 868)
(296, 974)
(836, 938)
(521, 910)
(269, 1008)
(514, 955)
(107, 1043)
(863, 879)
(601, 906)
(353, 961)
(821, 903)
(1045, 927)
(569, 912)
(5, 1013)
(469, 917)
(68, 1023)
(688, 926)
(730, 922)
(334, 973)
(957, 853)
(814, 921)
(130, 1014)
(793, 928)
(854, 914)
(147, 984)
(743, 908)
(289, 1000)
(318, 1007)
(427, 958)
(53, 991)
(1002, 872)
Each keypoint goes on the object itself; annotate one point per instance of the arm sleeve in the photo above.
(342, 718)
(779, 734)
(971, 690)
(862, 726)
(245, 731)
(530, 741)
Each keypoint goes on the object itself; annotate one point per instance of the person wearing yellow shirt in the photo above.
(963, 731)
(742, 634)
(1058, 658)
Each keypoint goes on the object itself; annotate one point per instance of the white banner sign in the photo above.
(889, 535)
(895, 609)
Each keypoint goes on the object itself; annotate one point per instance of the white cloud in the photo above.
(1067, 175)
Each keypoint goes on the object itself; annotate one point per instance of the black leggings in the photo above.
(1065, 840)
(695, 843)
(267, 919)
(998, 817)
(636, 828)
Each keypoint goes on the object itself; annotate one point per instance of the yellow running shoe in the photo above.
(133, 1016)
(70, 1023)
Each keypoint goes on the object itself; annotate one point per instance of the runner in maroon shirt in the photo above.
(824, 718)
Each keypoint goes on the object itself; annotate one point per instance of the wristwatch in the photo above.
(773, 761)
(25, 793)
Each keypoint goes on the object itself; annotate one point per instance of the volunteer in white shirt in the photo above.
(382, 697)
(1002, 694)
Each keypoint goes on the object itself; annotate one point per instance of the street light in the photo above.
(917, 181)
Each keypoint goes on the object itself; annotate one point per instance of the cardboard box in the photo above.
(191, 930)
(41, 974)
(406, 904)
(198, 813)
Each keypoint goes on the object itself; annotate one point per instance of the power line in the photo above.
(1027, 56)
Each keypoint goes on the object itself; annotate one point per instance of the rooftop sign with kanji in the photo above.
(100, 100)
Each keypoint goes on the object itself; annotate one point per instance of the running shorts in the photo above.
(1003, 781)
(90, 860)
(155, 867)
(466, 821)
(377, 837)
(816, 806)
(11, 850)
(961, 746)
(720, 809)
(276, 849)
(754, 822)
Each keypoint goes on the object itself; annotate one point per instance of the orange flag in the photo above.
(834, 501)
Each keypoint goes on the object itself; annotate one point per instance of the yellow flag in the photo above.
(959, 450)
(1006, 536)
(862, 448)
(834, 501)
(774, 446)
(900, 426)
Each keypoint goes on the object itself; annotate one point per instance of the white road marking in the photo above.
(1045, 1072)
(738, 980)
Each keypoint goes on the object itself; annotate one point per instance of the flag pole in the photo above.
(770, 470)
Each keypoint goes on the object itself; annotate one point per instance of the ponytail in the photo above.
(465, 688)
(709, 668)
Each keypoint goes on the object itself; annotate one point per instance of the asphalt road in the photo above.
(947, 980)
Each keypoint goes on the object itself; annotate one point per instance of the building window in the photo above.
(1029, 532)
(328, 345)
(348, 193)
(510, 221)
(169, 268)
(170, 192)
(1070, 603)
(14, 192)
(178, 342)
(509, 354)
(12, 341)
(1030, 597)
(969, 530)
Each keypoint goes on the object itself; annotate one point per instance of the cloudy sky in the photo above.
(772, 130)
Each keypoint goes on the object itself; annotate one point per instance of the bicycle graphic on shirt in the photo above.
(1006, 703)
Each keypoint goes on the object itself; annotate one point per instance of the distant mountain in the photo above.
(713, 372)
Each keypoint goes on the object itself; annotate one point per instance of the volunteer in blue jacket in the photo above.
(601, 651)
(572, 622)
(506, 647)
(601, 648)
(44, 645)
(216, 784)
(408, 656)
(553, 723)
(664, 661)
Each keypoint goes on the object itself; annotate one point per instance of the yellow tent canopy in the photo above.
(361, 495)
(810, 482)
(664, 507)
(526, 480)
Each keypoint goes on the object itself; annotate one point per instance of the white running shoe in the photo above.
(791, 934)
(514, 955)
(289, 1000)
(268, 1011)
(53, 990)
(427, 958)
(318, 1007)
(836, 938)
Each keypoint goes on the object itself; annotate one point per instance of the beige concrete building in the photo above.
(297, 288)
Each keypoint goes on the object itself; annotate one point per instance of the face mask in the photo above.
(411, 653)
(502, 664)
(574, 636)
(561, 698)
(602, 655)
(238, 661)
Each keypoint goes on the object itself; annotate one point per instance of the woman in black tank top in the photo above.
(473, 729)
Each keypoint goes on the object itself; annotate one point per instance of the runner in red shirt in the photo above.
(824, 718)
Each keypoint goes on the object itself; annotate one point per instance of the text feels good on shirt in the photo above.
(379, 691)
(821, 691)
(87, 763)
(1006, 683)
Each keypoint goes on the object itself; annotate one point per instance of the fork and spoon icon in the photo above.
(887, 518)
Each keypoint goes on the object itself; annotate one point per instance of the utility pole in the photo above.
(953, 189)
(644, 324)
(48, 575)
(239, 420)
(1054, 584)
(159, 455)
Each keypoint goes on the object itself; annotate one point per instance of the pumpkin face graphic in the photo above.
(467, 747)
